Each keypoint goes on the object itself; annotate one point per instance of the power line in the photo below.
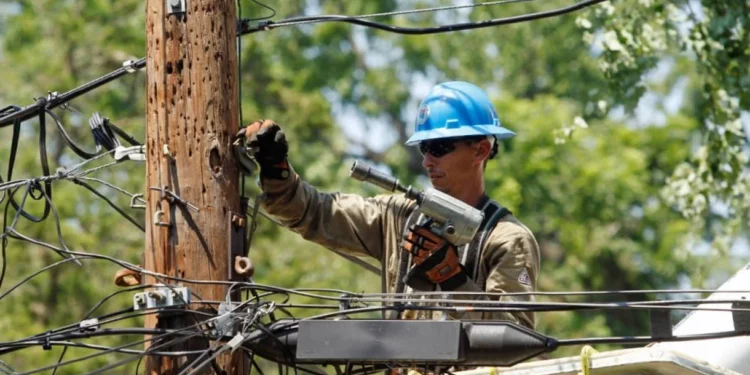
(359, 20)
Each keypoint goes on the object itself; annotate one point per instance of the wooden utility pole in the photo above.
(192, 115)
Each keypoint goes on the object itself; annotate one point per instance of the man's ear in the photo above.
(484, 150)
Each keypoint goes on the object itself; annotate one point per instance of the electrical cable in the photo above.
(93, 309)
(147, 352)
(13, 144)
(58, 100)
(45, 170)
(127, 137)
(68, 140)
(273, 12)
(110, 203)
(357, 20)
(27, 278)
(133, 197)
(640, 340)
(104, 352)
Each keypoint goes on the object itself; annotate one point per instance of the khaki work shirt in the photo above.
(374, 227)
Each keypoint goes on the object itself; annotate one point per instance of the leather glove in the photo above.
(270, 147)
(434, 261)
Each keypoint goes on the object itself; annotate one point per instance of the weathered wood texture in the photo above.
(192, 115)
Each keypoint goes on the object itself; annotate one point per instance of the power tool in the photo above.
(452, 219)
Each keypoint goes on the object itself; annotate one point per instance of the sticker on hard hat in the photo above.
(424, 113)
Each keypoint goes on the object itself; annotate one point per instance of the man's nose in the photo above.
(428, 161)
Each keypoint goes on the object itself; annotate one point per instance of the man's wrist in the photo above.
(455, 281)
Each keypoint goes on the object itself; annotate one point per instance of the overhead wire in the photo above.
(359, 20)
(33, 188)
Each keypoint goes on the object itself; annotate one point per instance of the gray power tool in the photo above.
(452, 219)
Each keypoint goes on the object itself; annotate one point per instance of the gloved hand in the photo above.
(269, 144)
(434, 261)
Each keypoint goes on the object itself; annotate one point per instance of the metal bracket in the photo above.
(237, 224)
(224, 324)
(157, 219)
(176, 7)
(161, 297)
(134, 205)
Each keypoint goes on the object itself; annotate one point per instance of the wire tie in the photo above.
(47, 345)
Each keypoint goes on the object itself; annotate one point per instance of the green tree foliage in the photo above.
(616, 182)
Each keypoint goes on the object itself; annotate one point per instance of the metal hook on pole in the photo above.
(157, 219)
(134, 198)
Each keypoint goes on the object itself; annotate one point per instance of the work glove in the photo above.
(434, 261)
(268, 144)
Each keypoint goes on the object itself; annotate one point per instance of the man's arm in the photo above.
(511, 264)
(345, 222)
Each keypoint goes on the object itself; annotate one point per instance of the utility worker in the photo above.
(456, 130)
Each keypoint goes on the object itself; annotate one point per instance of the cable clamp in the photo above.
(236, 341)
(89, 325)
(51, 95)
(161, 297)
(135, 153)
(223, 323)
(128, 65)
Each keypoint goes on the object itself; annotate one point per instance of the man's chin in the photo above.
(438, 186)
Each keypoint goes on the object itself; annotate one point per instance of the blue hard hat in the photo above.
(456, 109)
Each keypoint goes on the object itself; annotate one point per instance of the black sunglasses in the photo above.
(441, 147)
(438, 148)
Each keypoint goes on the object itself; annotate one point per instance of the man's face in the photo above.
(451, 164)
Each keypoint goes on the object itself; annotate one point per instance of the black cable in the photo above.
(421, 31)
(91, 312)
(13, 145)
(68, 140)
(45, 172)
(27, 278)
(4, 246)
(138, 365)
(273, 12)
(639, 340)
(58, 228)
(287, 352)
(255, 363)
(67, 344)
(127, 137)
(4, 239)
(110, 203)
(58, 100)
(147, 352)
(123, 362)
(64, 333)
